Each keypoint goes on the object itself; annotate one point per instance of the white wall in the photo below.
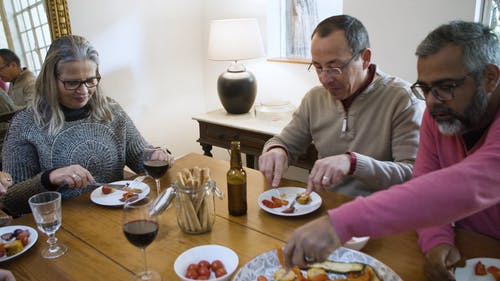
(151, 62)
(154, 60)
(396, 28)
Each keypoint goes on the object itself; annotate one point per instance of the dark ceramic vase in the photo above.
(237, 90)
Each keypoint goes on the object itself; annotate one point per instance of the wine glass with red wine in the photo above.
(156, 169)
(141, 229)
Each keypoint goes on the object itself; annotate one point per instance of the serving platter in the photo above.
(267, 263)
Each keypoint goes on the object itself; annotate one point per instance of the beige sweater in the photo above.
(381, 128)
(23, 89)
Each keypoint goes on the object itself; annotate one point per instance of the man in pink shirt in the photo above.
(457, 170)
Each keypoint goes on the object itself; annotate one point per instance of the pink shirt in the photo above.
(450, 185)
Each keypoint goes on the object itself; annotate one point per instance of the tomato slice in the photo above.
(269, 204)
(495, 271)
(279, 202)
(480, 269)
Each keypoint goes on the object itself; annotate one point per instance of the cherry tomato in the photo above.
(193, 266)
(204, 263)
(216, 264)
(191, 274)
(106, 189)
(220, 272)
(203, 271)
(262, 278)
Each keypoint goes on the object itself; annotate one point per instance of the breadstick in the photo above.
(196, 177)
(186, 175)
(209, 205)
(191, 227)
(205, 175)
(192, 215)
(179, 179)
(201, 216)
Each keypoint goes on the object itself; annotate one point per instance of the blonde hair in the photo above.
(47, 110)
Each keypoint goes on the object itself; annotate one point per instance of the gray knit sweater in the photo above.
(102, 148)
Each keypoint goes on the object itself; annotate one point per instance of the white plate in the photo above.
(113, 198)
(11, 228)
(267, 263)
(467, 273)
(289, 194)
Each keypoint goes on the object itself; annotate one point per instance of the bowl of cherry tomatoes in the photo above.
(206, 262)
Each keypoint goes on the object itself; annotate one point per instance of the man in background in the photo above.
(22, 81)
(363, 122)
(7, 109)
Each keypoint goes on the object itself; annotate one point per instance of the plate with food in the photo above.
(117, 193)
(279, 202)
(480, 269)
(340, 265)
(15, 240)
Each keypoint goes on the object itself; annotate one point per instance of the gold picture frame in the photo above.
(58, 17)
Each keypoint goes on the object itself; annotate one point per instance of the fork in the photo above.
(279, 193)
(291, 208)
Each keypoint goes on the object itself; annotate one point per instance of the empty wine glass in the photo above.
(141, 229)
(46, 208)
(156, 169)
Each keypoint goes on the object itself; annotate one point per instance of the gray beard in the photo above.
(470, 119)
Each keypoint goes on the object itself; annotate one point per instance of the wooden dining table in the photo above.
(98, 249)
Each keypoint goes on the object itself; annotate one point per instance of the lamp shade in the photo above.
(234, 39)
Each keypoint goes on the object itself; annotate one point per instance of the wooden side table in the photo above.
(218, 128)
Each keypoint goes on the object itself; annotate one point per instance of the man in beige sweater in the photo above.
(364, 123)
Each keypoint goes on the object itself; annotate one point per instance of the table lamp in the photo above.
(234, 40)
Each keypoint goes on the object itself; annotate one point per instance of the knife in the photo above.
(124, 187)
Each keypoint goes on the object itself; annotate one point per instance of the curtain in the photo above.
(301, 19)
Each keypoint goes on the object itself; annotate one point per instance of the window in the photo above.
(291, 23)
(491, 14)
(27, 32)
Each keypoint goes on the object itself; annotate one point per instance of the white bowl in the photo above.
(357, 243)
(210, 253)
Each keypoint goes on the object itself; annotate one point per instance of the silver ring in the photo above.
(308, 259)
(326, 179)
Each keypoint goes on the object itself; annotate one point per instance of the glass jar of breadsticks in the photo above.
(194, 193)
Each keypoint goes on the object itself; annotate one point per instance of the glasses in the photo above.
(75, 84)
(336, 71)
(442, 91)
(4, 66)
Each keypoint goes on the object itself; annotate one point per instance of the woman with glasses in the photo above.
(71, 135)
